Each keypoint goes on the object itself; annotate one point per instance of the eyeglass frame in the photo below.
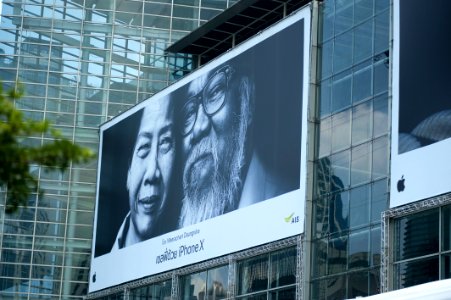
(199, 97)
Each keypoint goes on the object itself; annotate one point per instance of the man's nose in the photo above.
(201, 126)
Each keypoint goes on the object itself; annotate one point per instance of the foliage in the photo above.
(16, 157)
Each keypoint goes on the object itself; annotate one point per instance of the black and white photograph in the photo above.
(421, 99)
(218, 149)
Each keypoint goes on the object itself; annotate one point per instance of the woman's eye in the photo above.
(166, 144)
(143, 150)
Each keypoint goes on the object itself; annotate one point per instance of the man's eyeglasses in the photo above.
(212, 97)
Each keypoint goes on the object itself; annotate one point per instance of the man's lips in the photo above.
(148, 204)
(201, 169)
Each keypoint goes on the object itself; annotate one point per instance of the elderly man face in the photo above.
(216, 117)
(150, 171)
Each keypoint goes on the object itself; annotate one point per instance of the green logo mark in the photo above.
(288, 219)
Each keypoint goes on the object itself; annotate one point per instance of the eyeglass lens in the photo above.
(213, 97)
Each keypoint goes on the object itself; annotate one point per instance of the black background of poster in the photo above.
(276, 66)
(425, 60)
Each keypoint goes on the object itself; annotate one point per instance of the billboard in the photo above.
(421, 117)
(213, 164)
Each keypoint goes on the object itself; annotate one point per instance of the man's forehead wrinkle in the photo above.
(197, 84)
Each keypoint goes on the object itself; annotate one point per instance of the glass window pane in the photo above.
(340, 164)
(417, 235)
(342, 52)
(416, 272)
(361, 164)
(446, 217)
(359, 206)
(253, 275)
(217, 282)
(341, 93)
(326, 59)
(362, 122)
(336, 288)
(363, 9)
(375, 281)
(379, 199)
(339, 212)
(380, 157)
(321, 216)
(319, 259)
(337, 255)
(262, 296)
(343, 15)
(328, 19)
(325, 131)
(325, 97)
(375, 252)
(446, 266)
(382, 26)
(341, 130)
(160, 290)
(358, 284)
(286, 294)
(381, 77)
(323, 167)
(358, 249)
(380, 118)
(362, 84)
(319, 288)
(193, 286)
(363, 42)
(283, 268)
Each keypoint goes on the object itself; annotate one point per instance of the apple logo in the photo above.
(401, 186)
(94, 277)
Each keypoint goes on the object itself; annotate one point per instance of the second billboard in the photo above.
(421, 118)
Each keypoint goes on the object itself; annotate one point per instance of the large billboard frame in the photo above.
(418, 106)
(279, 50)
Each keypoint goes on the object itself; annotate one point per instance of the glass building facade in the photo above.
(352, 159)
(81, 63)
(85, 61)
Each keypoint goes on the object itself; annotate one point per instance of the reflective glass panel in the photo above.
(253, 275)
(194, 286)
(416, 272)
(446, 227)
(361, 164)
(362, 122)
(359, 206)
(358, 250)
(283, 268)
(341, 130)
(217, 282)
(337, 254)
(358, 284)
(417, 235)
(341, 92)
